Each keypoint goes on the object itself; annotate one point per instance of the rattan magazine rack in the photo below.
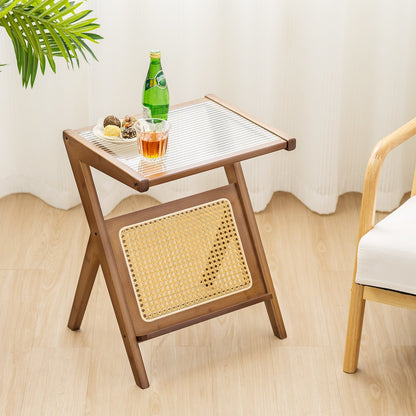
(185, 261)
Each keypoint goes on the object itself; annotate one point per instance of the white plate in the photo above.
(98, 130)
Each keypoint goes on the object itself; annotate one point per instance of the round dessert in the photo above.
(128, 121)
(128, 133)
(111, 121)
(112, 131)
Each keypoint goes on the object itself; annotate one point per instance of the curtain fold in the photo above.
(338, 76)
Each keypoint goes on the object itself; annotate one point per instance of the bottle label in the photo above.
(158, 81)
(146, 112)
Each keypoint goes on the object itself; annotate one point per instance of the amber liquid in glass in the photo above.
(153, 145)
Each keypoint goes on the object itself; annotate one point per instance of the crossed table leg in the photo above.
(98, 252)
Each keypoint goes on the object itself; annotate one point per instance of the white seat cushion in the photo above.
(386, 255)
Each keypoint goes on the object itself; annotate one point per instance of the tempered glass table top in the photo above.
(201, 134)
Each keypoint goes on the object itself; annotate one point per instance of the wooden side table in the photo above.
(182, 262)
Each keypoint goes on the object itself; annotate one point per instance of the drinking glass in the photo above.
(153, 134)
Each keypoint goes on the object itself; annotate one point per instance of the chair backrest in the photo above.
(375, 163)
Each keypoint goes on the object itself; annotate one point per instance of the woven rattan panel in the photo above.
(184, 259)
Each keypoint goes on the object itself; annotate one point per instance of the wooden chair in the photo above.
(385, 265)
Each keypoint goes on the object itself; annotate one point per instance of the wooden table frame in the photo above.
(101, 249)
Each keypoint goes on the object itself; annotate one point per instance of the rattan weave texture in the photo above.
(185, 258)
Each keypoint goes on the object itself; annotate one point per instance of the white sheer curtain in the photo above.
(336, 75)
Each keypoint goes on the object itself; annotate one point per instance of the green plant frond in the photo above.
(42, 30)
(6, 6)
(55, 49)
(33, 69)
(31, 33)
(87, 36)
(32, 3)
(65, 11)
(58, 41)
(79, 48)
(88, 49)
(45, 43)
(69, 45)
(31, 36)
(95, 37)
(76, 16)
(5, 3)
(80, 26)
(24, 67)
(17, 48)
(51, 10)
(13, 30)
(41, 6)
(77, 28)
(70, 4)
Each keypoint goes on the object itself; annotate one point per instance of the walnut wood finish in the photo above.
(92, 208)
(197, 313)
(85, 282)
(360, 293)
(97, 158)
(235, 175)
(104, 247)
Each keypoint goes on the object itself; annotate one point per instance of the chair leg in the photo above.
(85, 282)
(355, 326)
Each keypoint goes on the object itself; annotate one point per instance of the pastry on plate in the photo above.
(128, 121)
(112, 131)
(128, 133)
(111, 121)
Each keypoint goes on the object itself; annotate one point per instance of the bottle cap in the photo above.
(155, 54)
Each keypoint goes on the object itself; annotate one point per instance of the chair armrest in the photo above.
(375, 163)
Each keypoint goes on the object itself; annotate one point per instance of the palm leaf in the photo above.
(6, 6)
(75, 17)
(42, 30)
(42, 5)
(31, 35)
(51, 10)
(44, 41)
(67, 10)
(14, 31)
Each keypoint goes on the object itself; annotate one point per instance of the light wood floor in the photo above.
(232, 365)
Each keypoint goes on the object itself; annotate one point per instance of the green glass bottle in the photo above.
(155, 90)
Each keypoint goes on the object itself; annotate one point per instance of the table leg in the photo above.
(235, 175)
(85, 283)
(92, 208)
